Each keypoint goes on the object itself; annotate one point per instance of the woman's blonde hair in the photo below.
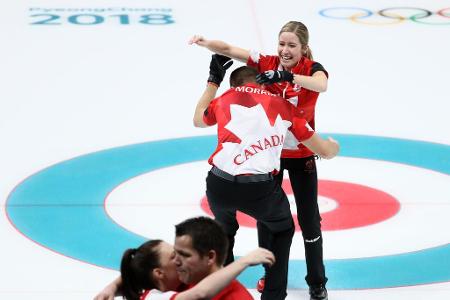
(301, 31)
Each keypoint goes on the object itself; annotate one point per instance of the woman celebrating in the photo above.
(189, 270)
(293, 75)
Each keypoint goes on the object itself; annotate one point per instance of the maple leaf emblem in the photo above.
(291, 141)
(261, 143)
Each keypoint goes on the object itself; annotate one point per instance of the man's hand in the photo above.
(270, 77)
(333, 147)
(110, 290)
(218, 67)
(108, 293)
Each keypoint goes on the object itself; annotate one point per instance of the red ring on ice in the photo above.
(358, 206)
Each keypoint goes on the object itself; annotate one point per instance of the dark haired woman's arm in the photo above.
(217, 281)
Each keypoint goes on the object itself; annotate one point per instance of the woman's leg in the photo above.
(303, 177)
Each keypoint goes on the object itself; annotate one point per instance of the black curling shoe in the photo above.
(318, 292)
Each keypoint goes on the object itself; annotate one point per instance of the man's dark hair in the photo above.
(243, 75)
(206, 235)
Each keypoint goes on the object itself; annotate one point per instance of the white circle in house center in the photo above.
(326, 204)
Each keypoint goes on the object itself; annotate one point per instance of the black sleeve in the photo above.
(318, 67)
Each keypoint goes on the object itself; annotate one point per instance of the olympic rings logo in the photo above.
(388, 16)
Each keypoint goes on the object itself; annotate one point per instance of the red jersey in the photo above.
(233, 291)
(304, 99)
(167, 295)
(252, 126)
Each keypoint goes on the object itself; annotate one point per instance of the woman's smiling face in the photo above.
(289, 49)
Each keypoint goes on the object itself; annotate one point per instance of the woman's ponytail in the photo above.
(136, 268)
(130, 288)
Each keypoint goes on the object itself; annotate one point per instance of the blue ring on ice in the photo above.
(61, 208)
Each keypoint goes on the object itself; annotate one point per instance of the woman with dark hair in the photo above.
(154, 266)
(151, 266)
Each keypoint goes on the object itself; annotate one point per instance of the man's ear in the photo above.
(212, 257)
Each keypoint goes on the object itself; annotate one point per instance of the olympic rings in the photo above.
(394, 15)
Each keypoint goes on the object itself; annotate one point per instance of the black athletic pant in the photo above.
(303, 177)
(266, 202)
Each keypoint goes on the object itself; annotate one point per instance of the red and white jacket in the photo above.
(252, 126)
(234, 291)
(304, 99)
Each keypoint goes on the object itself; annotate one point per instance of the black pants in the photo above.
(303, 177)
(266, 202)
